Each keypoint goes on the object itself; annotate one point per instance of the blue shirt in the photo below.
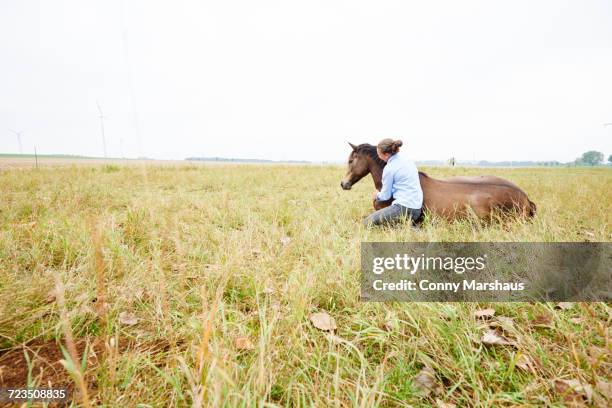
(400, 180)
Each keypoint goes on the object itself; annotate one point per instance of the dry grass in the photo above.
(202, 255)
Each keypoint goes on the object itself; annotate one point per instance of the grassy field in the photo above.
(193, 285)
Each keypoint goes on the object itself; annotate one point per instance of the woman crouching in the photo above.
(400, 181)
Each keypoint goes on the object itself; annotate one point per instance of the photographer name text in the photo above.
(465, 285)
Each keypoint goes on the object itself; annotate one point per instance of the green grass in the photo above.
(205, 254)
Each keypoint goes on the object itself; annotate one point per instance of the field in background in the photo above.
(194, 284)
(30, 162)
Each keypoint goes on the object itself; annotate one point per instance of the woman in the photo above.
(400, 180)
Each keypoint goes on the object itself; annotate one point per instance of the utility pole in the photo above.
(102, 117)
(18, 139)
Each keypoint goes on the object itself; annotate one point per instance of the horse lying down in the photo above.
(449, 198)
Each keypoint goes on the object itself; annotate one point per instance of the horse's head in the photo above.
(358, 167)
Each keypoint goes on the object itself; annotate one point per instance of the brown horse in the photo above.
(449, 198)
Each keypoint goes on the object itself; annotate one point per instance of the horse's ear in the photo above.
(353, 146)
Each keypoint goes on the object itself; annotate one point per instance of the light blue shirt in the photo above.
(400, 180)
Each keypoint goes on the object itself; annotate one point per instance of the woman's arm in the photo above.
(387, 182)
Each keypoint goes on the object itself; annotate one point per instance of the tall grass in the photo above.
(205, 254)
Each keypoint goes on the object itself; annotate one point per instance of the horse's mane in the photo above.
(370, 150)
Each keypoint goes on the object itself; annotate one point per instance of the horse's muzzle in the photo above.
(346, 185)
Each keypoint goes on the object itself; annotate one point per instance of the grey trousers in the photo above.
(391, 215)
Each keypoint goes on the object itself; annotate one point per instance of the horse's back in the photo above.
(481, 194)
(481, 180)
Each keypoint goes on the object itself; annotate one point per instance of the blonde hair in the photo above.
(389, 146)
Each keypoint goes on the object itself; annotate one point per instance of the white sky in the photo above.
(295, 80)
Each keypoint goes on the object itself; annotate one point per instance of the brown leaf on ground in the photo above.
(526, 363)
(442, 404)
(323, 321)
(484, 313)
(51, 295)
(574, 390)
(564, 305)
(128, 318)
(243, 343)
(503, 322)
(425, 382)
(544, 320)
(493, 338)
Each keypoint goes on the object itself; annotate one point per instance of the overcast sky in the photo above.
(296, 80)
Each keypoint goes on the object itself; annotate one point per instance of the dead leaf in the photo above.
(526, 363)
(484, 313)
(564, 305)
(493, 338)
(128, 318)
(573, 390)
(243, 343)
(442, 404)
(543, 320)
(503, 322)
(576, 320)
(425, 382)
(51, 295)
(323, 321)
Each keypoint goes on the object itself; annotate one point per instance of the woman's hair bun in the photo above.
(389, 146)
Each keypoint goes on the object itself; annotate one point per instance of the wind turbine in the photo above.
(18, 139)
(102, 117)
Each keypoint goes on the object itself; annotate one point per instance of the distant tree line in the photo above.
(229, 159)
(592, 158)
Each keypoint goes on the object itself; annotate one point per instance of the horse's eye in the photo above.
(350, 162)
